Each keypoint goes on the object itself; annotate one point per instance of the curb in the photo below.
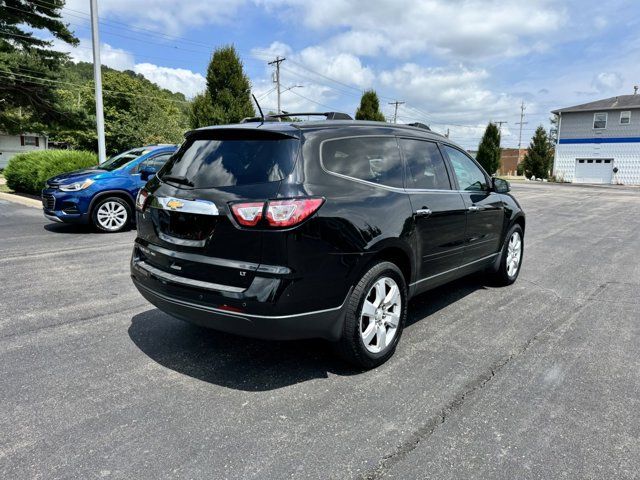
(26, 201)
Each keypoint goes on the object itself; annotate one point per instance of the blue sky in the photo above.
(457, 64)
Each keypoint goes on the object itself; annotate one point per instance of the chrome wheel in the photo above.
(514, 254)
(380, 315)
(112, 216)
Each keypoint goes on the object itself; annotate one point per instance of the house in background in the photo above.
(599, 142)
(11, 145)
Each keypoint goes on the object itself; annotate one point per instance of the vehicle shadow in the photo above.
(255, 365)
(68, 228)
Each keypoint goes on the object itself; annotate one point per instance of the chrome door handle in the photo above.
(473, 208)
(423, 212)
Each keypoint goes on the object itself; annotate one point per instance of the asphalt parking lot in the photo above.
(537, 380)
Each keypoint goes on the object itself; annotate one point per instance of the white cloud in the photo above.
(456, 93)
(111, 57)
(174, 79)
(607, 82)
(468, 29)
(170, 16)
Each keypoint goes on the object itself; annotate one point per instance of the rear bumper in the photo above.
(325, 323)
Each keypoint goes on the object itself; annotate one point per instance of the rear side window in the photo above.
(234, 160)
(425, 165)
(373, 159)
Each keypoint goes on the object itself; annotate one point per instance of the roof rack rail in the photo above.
(419, 125)
(279, 116)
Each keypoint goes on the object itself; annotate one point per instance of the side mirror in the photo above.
(148, 172)
(500, 185)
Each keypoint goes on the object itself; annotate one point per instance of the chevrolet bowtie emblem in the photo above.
(175, 204)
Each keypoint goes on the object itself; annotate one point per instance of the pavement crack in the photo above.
(435, 421)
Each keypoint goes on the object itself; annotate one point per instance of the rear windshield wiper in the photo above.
(177, 179)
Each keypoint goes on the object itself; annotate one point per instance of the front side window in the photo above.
(625, 118)
(123, 159)
(373, 159)
(599, 121)
(469, 175)
(425, 165)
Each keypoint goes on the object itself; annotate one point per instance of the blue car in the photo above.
(104, 196)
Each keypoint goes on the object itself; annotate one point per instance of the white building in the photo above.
(599, 142)
(11, 145)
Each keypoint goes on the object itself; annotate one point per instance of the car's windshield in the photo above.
(231, 159)
(123, 159)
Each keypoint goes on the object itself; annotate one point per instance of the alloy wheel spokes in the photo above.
(112, 215)
(380, 315)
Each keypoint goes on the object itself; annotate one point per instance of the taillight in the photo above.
(279, 213)
(141, 199)
(248, 214)
(287, 213)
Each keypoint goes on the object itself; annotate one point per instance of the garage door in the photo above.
(594, 170)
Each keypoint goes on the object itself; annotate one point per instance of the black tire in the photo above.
(501, 276)
(121, 222)
(351, 345)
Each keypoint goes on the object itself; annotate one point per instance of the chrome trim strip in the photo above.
(454, 269)
(198, 206)
(219, 262)
(142, 265)
(52, 218)
(234, 314)
(181, 241)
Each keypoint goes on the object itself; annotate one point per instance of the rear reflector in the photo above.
(248, 214)
(287, 213)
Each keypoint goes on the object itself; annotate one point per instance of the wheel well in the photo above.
(399, 257)
(520, 221)
(123, 195)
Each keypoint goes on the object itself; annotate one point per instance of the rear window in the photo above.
(232, 160)
(373, 159)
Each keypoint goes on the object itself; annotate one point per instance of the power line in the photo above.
(32, 79)
(333, 109)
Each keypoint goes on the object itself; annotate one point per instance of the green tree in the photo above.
(369, 108)
(28, 66)
(489, 149)
(228, 91)
(539, 157)
(201, 112)
(136, 111)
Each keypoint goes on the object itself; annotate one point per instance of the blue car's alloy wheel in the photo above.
(111, 215)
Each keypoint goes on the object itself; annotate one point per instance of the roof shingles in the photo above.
(620, 102)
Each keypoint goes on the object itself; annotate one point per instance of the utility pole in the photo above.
(97, 77)
(395, 113)
(500, 125)
(521, 123)
(277, 63)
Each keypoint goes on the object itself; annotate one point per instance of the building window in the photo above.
(599, 121)
(625, 118)
(29, 141)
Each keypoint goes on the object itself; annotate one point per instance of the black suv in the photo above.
(325, 229)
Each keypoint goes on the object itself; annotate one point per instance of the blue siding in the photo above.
(601, 140)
